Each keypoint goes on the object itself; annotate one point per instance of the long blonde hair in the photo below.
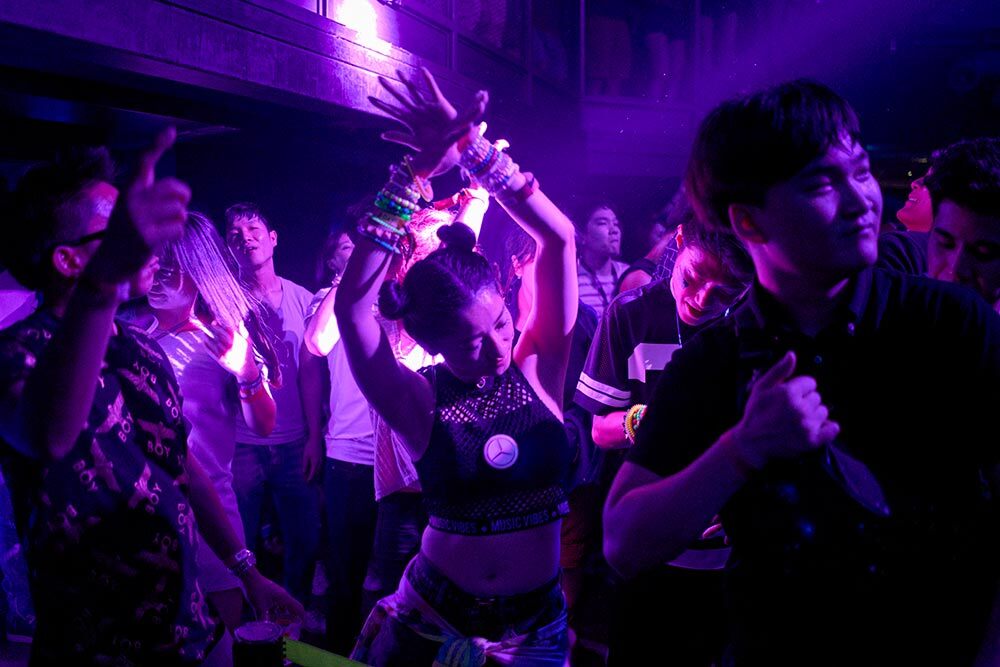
(201, 255)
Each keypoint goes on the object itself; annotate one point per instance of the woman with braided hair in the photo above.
(484, 427)
(212, 331)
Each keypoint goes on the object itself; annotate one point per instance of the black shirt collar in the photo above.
(762, 311)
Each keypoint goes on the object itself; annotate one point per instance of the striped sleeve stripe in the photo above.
(603, 393)
(612, 392)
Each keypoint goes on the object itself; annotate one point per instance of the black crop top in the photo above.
(497, 459)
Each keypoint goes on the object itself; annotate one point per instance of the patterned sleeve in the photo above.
(603, 385)
(19, 347)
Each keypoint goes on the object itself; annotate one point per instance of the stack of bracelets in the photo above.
(493, 169)
(386, 224)
(395, 204)
(250, 389)
(631, 422)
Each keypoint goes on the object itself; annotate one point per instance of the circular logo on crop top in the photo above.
(500, 451)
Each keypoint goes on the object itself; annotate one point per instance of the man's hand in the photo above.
(266, 596)
(157, 208)
(784, 417)
(312, 458)
(154, 213)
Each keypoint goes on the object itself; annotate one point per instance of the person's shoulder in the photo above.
(908, 286)
(295, 288)
(142, 337)
(903, 251)
(642, 297)
(720, 333)
(33, 331)
(297, 291)
(320, 294)
(936, 301)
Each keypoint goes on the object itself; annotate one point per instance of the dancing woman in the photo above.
(484, 427)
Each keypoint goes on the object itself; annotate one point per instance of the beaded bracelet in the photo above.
(249, 389)
(509, 197)
(487, 163)
(378, 240)
(474, 150)
(497, 180)
(395, 204)
(630, 423)
(423, 185)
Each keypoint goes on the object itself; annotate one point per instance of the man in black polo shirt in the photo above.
(840, 422)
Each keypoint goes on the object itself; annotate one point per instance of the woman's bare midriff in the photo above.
(505, 564)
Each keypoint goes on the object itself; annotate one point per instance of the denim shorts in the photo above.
(429, 619)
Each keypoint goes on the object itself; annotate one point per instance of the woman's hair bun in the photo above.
(457, 236)
(392, 300)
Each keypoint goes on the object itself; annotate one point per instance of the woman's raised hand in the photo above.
(432, 123)
(231, 348)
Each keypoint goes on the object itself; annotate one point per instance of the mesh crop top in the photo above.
(497, 458)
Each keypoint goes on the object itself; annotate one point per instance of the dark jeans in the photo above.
(401, 523)
(277, 470)
(350, 518)
(19, 613)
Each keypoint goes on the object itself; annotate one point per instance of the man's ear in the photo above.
(743, 219)
(66, 262)
(274, 237)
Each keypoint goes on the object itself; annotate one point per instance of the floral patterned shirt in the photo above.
(110, 529)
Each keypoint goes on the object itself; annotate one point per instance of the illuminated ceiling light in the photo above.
(361, 17)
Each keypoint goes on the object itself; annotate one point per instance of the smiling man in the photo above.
(860, 529)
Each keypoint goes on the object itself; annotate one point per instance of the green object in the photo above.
(307, 655)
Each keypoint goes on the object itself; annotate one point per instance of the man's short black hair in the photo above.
(42, 211)
(585, 209)
(746, 146)
(968, 174)
(246, 210)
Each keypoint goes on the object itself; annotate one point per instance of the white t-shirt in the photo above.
(349, 433)
(288, 324)
(210, 404)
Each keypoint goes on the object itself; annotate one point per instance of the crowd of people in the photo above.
(772, 431)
